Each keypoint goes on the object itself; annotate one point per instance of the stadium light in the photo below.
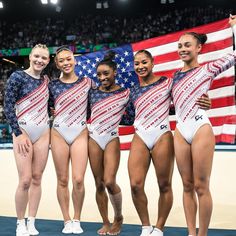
(102, 4)
(58, 8)
(105, 4)
(44, 1)
(99, 5)
(165, 1)
(54, 1)
(1, 4)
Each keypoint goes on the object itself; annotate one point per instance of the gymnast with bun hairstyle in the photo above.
(194, 140)
(107, 104)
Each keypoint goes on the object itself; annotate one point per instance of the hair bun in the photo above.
(202, 38)
(109, 60)
(109, 56)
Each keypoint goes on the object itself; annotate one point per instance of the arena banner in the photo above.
(80, 49)
(164, 49)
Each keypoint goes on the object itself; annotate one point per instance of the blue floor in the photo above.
(54, 227)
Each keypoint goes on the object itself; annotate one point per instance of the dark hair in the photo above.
(201, 38)
(108, 60)
(60, 49)
(63, 48)
(147, 53)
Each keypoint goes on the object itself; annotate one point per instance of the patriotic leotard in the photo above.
(107, 109)
(150, 105)
(70, 103)
(26, 104)
(190, 85)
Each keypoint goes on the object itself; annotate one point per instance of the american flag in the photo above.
(164, 50)
(86, 65)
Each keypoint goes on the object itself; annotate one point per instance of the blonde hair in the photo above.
(39, 45)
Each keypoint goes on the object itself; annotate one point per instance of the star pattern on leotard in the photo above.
(57, 87)
(96, 95)
(18, 86)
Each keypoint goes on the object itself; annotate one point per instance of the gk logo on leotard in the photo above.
(83, 123)
(198, 117)
(163, 127)
(113, 133)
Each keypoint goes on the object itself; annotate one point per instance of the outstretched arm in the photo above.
(232, 22)
(222, 64)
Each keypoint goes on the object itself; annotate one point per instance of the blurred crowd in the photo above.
(90, 29)
(4, 73)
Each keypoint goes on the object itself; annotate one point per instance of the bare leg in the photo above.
(40, 156)
(111, 165)
(202, 152)
(138, 164)
(24, 168)
(79, 158)
(163, 160)
(184, 163)
(97, 165)
(61, 158)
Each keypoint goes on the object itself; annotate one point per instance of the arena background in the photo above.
(73, 22)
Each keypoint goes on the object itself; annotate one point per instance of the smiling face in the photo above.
(143, 65)
(39, 58)
(65, 61)
(188, 48)
(106, 75)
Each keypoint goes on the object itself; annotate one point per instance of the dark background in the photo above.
(33, 9)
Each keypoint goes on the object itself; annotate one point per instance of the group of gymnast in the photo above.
(85, 127)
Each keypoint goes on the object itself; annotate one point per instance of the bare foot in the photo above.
(104, 230)
(116, 226)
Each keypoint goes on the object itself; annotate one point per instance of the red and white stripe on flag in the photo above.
(222, 92)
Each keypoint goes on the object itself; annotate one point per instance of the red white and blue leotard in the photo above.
(26, 104)
(70, 103)
(190, 85)
(150, 105)
(107, 109)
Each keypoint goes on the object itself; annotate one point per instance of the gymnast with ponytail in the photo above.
(194, 141)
